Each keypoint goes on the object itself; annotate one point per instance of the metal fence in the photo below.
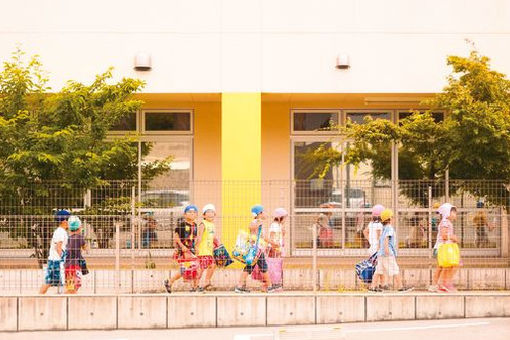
(129, 226)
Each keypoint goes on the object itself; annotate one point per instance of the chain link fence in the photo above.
(129, 228)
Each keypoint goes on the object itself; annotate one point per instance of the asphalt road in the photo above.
(465, 329)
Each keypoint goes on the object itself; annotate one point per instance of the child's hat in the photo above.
(280, 212)
(191, 207)
(386, 214)
(209, 206)
(256, 210)
(377, 210)
(74, 223)
(62, 215)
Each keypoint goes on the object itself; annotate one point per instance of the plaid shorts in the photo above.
(54, 274)
(261, 262)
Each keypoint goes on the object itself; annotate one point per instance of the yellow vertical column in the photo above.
(240, 161)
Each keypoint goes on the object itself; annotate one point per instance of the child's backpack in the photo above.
(366, 269)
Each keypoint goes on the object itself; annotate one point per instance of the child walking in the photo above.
(446, 235)
(256, 234)
(54, 275)
(387, 254)
(185, 235)
(74, 256)
(275, 247)
(373, 234)
(206, 241)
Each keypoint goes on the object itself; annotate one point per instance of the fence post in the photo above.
(314, 258)
(430, 222)
(133, 219)
(117, 257)
(447, 185)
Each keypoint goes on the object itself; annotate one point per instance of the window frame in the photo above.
(127, 132)
(146, 132)
(347, 111)
(338, 113)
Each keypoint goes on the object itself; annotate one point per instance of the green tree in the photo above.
(472, 142)
(55, 146)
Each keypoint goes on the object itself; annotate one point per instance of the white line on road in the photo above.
(393, 329)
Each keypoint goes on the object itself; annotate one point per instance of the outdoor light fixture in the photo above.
(143, 61)
(342, 62)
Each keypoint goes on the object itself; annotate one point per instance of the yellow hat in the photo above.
(386, 215)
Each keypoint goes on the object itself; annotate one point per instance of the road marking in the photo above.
(393, 329)
(250, 336)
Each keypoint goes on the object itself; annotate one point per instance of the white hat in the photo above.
(280, 212)
(209, 206)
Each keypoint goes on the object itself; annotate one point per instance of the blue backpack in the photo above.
(366, 268)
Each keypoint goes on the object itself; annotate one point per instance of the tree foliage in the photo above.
(61, 136)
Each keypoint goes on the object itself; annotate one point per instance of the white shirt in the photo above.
(373, 227)
(277, 229)
(59, 235)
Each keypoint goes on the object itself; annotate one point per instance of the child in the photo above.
(275, 247)
(387, 254)
(373, 234)
(255, 228)
(55, 269)
(446, 234)
(206, 240)
(185, 235)
(72, 265)
(434, 287)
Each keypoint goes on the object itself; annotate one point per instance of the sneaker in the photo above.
(375, 289)
(192, 290)
(385, 287)
(271, 289)
(443, 289)
(433, 288)
(406, 289)
(168, 287)
(241, 290)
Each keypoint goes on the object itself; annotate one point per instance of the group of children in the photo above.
(261, 252)
(195, 244)
(383, 250)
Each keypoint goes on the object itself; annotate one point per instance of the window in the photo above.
(314, 121)
(167, 122)
(127, 123)
(438, 116)
(358, 117)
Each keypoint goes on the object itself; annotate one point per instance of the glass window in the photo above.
(359, 117)
(127, 123)
(168, 188)
(167, 121)
(312, 191)
(438, 116)
(314, 121)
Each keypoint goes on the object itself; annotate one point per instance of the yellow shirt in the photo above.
(206, 246)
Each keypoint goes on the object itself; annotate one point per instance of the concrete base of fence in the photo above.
(102, 281)
(34, 313)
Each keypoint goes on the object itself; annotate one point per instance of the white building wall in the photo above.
(266, 45)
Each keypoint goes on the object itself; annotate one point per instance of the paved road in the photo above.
(465, 329)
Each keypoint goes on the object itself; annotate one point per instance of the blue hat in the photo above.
(62, 215)
(190, 208)
(256, 210)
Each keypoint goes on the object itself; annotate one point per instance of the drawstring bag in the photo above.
(448, 255)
